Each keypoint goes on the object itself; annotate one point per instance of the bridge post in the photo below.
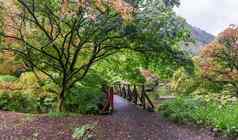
(135, 94)
(129, 93)
(120, 90)
(143, 97)
(123, 91)
(111, 93)
(106, 106)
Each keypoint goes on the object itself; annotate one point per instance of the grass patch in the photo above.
(7, 78)
(224, 118)
(54, 114)
(57, 114)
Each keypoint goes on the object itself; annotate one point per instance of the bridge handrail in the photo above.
(124, 90)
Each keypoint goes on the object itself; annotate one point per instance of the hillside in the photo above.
(201, 35)
(201, 38)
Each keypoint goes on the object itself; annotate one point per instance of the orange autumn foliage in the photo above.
(219, 59)
(122, 7)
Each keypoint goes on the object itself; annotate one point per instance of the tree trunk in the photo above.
(60, 107)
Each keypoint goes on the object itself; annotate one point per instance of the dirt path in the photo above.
(127, 123)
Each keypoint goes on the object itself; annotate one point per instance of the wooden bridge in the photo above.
(136, 94)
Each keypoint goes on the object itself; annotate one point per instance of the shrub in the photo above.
(27, 94)
(28, 80)
(222, 117)
(80, 101)
(27, 102)
(49, 86)
(179, 110)
(86, 97)
(7, 68)
(85, 100)
(183, 84)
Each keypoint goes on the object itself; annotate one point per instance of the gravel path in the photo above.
(127, 123)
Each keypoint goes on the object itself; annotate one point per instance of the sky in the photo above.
(212, 16)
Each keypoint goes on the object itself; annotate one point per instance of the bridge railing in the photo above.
(135, 94)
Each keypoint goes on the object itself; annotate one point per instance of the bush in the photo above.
(81, 99)
(184, 109)
(27, 101)
(183, 84)
(29, 80)
(27, 94)
(86, 97)
(179, 110)
(7, 68)
(85, 100)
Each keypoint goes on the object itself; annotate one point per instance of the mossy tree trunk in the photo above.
(60, 106)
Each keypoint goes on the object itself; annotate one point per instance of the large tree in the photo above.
(65, 45)
(219, 59)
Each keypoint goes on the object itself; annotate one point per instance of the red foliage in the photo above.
(219, 59)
